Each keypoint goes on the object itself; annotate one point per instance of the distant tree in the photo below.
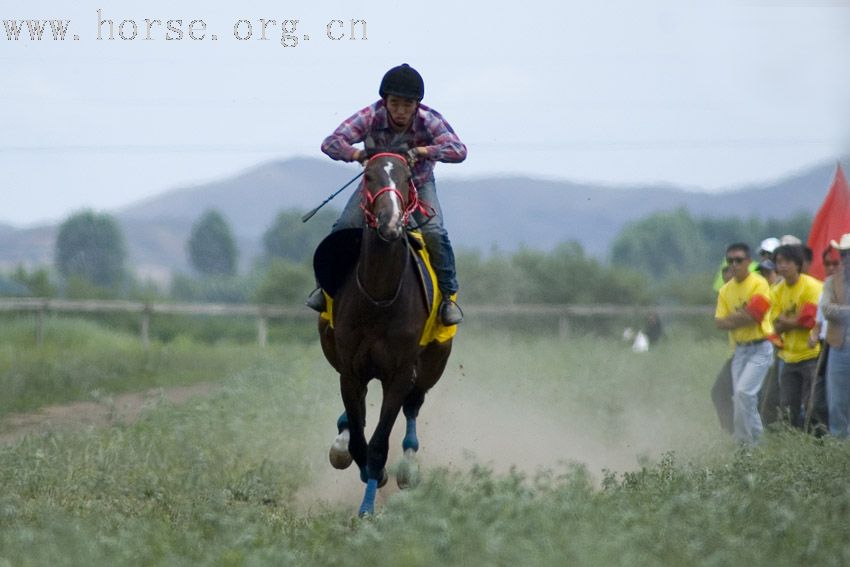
(563, 275)
(489, 279)
(290, 239)
(285, 282)
(212, 249)
(566, 275)
(37, 282)
(661, 245)
(676, 245)
(10, 287)
(91, 246)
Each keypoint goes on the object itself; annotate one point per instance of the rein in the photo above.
(384, 302)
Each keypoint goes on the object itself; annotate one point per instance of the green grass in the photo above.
(235, 478)
(81, 360)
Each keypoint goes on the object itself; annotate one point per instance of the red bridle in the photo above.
(413, 203)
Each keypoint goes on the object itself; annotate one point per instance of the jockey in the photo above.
(399, 119)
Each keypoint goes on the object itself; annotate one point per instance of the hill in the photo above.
(480, 213)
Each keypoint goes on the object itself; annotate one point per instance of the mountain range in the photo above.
(482, 213)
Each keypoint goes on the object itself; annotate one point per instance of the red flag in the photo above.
(832, 220)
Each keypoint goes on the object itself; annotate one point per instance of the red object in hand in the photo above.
(776, 340)
(758, 307)
(806, 319)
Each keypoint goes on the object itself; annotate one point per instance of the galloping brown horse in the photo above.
(378, 317)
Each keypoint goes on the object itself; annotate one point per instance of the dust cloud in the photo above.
(466, 422)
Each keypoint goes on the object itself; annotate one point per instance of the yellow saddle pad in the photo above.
(434, 330)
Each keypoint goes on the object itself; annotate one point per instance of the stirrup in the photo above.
(450, 313)
(316, 301)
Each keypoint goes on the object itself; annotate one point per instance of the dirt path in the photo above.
(122, 408)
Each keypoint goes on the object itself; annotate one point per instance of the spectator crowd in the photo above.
(789, 357)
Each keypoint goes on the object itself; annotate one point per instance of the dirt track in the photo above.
(123, 408)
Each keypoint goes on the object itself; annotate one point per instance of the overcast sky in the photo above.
(708, 95)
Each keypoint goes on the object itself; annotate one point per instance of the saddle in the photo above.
(337, 255)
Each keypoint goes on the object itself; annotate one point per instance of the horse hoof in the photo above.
(384, 478)
(407, 475)
(339, 456)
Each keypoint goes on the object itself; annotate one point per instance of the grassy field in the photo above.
(535, 452)
(81, 360)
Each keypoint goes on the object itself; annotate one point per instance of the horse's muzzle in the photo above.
(390, 232)
(390, 226)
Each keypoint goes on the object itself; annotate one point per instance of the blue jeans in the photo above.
(750, 364)
(838, 390)
(436, 238)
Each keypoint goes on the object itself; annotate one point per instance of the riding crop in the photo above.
(309, 215)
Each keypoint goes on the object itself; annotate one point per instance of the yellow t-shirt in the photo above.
(788, 300)
(735, 295)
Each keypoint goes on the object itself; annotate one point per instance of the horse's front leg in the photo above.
(353, 392)
(339, 455)
(396, 389)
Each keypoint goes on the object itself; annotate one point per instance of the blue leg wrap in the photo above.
(368, 505)
(411, 441)
(342, 423)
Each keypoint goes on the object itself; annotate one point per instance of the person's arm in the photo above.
(833, 311)
(734, 320)
(354, 130)
(814, 334)
(752, 313)
(803, 319)
(445, 145)
(818, 329)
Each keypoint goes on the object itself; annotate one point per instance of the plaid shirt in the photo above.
(429, 129)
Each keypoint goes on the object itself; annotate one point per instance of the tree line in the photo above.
(668, 257)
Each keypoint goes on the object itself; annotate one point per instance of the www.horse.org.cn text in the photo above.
(288, 32)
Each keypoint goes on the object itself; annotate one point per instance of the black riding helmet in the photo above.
(403, 81)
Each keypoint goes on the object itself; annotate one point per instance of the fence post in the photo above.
(563, 328)
(146, 324)
(262, 329)
(39, 324)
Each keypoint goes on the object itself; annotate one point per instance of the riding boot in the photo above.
(450, 312)
(316, 301)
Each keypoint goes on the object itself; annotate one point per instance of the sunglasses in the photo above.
(736, 260)
(828, 264)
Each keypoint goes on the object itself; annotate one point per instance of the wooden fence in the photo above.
(262, 313)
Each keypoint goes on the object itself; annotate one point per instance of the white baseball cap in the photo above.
(769, 245)
(843, 244)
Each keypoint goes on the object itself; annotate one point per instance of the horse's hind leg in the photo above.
(432, 363)
(408, 469)
(411, 407)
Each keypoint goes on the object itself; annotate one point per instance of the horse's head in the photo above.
(389, 196)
